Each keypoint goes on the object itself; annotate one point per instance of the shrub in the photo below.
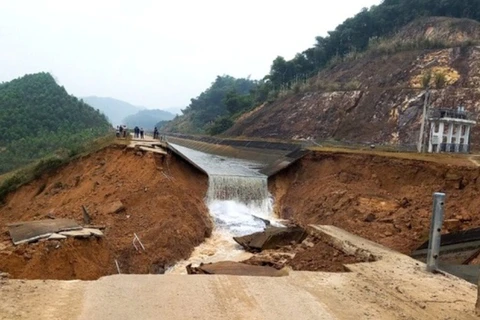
(426, 78)
(220, 125)
(440, 80)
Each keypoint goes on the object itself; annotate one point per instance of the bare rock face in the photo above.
(378, 99)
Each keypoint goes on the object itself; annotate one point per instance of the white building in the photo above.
(450, 130)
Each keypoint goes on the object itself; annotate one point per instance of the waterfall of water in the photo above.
(237, 202)
(245, 189)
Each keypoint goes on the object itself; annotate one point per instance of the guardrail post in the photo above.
(435, 231)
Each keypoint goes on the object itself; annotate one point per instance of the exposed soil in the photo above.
(374, 97)
(322, 257)
(311, 255)
(163, 203)
(383, 199)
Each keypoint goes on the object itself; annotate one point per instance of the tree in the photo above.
(38, 117)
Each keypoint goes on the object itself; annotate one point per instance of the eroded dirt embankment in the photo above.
(163, 205)
(383, 199)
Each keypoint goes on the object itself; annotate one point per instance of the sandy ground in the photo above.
(394, 287)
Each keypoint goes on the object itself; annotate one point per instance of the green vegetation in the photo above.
(367, 31)
(162, 124)
(38, 119)
(212, 112)
(426, 78)
(440, 80)
(363, 30)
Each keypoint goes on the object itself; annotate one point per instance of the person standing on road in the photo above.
(155, 133)
(141, 133)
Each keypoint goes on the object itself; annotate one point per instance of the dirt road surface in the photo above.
(393, 287)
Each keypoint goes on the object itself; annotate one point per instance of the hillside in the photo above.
(147, 118)
(38, 117)
(115, 110)
(377, 96)
(214, 109)
(368, 32)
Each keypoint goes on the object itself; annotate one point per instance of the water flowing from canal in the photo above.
(238, 201)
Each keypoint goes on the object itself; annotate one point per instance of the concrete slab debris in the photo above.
(23, 232)
(154, 150)
(56, 236)
(83, 233)
(271, 238)
(237, 269)
(95, 232)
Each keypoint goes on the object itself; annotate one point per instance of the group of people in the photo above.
(138, 133)
(121, 131)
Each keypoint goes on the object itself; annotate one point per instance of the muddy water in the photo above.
(237, 197)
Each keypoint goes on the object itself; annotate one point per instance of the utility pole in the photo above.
(420, 144)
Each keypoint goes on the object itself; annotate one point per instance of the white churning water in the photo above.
(238, 200)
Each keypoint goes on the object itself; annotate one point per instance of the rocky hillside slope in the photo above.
(377, 96)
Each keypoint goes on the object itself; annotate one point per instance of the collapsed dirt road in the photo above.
(127, 191)
(393, 287)
(382, 198)
(385, 199)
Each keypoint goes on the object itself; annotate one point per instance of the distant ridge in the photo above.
(115, 110)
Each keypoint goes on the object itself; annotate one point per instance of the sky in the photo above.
(158, 54)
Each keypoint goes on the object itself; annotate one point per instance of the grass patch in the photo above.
(22, 176)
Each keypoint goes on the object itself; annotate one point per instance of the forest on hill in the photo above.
(212, 112)
(38, 118)
(355, 35)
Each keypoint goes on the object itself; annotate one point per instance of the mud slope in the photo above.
(383, 199)
(163, 206)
